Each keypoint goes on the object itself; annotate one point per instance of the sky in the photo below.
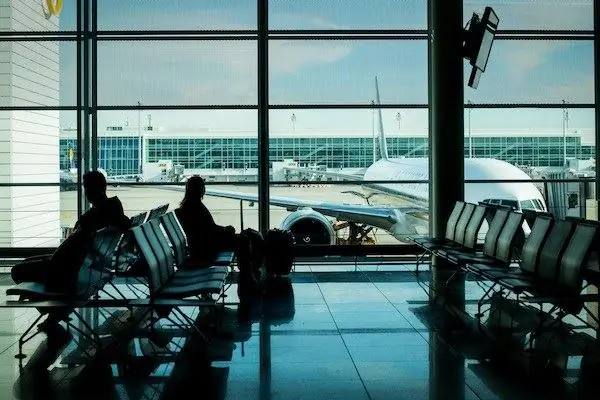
(315, 72)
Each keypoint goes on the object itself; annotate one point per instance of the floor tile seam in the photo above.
(346, 346)
(396, 308)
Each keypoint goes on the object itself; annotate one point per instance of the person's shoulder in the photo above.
(114, 200)
(185, 209)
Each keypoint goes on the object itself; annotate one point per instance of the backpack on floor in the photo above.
(279, 252)
(257, 249)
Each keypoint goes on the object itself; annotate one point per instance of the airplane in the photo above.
(399, 208)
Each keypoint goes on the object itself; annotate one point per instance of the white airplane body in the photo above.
(398, 207)
(518, 195)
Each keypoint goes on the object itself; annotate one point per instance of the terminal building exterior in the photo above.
(205, 151)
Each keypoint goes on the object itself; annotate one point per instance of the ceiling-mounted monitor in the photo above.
(479, 38)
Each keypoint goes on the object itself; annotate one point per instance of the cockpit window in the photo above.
(533, 204)
(511, 203)
(528, 205)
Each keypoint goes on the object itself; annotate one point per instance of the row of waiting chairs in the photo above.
(548, 265)
(160, 245)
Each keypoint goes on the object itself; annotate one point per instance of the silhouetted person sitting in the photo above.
(58, 272)
(205, 238)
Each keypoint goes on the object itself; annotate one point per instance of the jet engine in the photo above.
(310, 227)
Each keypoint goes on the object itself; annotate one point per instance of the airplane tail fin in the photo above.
(381, 143)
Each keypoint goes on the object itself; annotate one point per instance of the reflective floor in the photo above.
(329, 332)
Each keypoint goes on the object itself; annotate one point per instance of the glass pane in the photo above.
(344, 71)
(29, 16)
(530, 144)
(38, 74)
(526, 71)
(530, 137)
(177, 15)
(354, 14)
(31, 214)
(537, 14)
(177, 72)
(333, 153)
(218, 144)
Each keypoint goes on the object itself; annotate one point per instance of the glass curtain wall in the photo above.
(345, 77)
(534, 107)
(39, 91)
(153, 92)
(176, 94)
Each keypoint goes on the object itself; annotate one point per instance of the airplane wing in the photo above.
(309, 171)
(399, 221)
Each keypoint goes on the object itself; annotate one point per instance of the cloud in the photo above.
(286, 20)
(291, 56)
(522, 57)
(579, 89)
(537, 14)
(536, 72)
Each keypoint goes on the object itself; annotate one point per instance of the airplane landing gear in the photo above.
(356, 233)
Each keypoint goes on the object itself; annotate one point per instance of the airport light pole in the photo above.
(565, 127)
(293, 119)
(469, 109)
(139, 138)
(399, 119)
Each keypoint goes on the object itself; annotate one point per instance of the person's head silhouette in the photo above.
(94, 184)
(194, 190)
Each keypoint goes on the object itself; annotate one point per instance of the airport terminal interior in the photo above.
(412, 185)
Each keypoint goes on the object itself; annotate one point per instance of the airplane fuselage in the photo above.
(401, 192)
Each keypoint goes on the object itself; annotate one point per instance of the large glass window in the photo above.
(37, 95)
(347, 108)
(172, 89)
(344, 71)
(171, 72)
(532, 116)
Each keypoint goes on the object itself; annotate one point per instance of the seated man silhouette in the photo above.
(58, 272)
(205, 238)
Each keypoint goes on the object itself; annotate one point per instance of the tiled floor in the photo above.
(350, 333)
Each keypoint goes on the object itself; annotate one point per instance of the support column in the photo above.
(446, 121)
(263, 180)
(263, 117)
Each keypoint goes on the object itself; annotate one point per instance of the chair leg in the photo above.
(24, 339)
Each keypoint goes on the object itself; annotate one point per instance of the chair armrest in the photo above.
(33, 288)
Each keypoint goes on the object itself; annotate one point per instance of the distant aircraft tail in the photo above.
(381, 143)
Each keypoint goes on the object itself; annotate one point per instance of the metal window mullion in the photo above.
(79, 94)
(214, 38)
(85, 144)
(147, 107)
(426, 106)
(299, 106)
(596, 105)
(94, 86)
